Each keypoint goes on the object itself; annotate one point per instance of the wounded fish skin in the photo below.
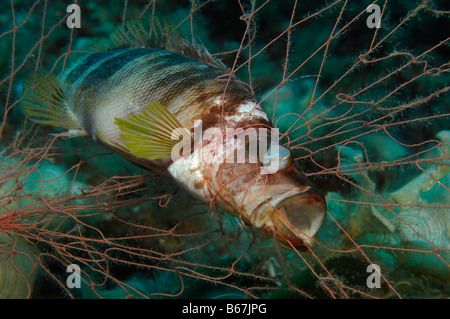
(107, 94)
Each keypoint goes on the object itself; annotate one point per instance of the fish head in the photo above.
(286, 205)
(270, 193)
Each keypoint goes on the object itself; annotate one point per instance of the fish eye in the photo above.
(285, 160)
(279, 154)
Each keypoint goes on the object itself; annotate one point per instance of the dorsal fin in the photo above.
(156, 32)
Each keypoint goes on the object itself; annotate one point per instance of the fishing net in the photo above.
(361, 100)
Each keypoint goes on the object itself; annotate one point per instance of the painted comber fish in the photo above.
(132, 95)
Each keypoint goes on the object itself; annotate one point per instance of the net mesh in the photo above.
(364, 110)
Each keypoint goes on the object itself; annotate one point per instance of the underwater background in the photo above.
(364, 110)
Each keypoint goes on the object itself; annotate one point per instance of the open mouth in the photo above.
(293, 217)
(298, 218)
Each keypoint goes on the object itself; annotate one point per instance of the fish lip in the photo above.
(293, 217)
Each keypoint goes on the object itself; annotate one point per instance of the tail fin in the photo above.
(44, 102)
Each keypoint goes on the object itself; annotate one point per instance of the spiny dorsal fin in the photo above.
(156, 32)
(149, 134)
(44, 102)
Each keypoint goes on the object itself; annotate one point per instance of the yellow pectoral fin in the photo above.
(153, 133)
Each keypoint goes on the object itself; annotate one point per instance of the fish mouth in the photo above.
(293, 219)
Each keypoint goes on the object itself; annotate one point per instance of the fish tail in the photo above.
(44, 102)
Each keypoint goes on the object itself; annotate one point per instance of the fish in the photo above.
(152, 96)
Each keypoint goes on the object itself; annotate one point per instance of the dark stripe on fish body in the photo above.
(105, 70)
(164, 65)
(173, 58)
(86, 63)
(156, 65)
(153, 62)
(159, 66)
(172, 80)
(175, 74)
(185, 81)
